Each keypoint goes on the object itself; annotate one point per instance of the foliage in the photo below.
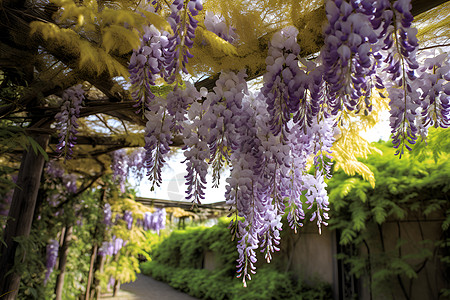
(192, 243)
(178, 260)
(50, 46)
(409, 189)
(61, 209)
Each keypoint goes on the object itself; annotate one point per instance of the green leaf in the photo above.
(379, 214)
(37, 148)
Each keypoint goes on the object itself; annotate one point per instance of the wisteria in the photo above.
(280, 88)
(268, 137)
(218, 25)
(146, 64)
(402, 89)
(64, 184)
(52, 255)
(435, 86)
(347, 55)
(111, 248)
(127, 164)
(128, 218)
(67, 123)
(154, 221)
(120, 167)
(107, 215)
(183, 25)
(158, 137)
(370, 42)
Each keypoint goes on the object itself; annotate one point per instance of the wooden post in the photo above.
(21, 215)
(116, 288)
(91, 271)
(97, 287)
(62, 262)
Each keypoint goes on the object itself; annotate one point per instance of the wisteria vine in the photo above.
(267, 137)
(67, 123)
(155, 221)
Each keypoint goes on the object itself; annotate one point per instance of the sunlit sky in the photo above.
(173, 183)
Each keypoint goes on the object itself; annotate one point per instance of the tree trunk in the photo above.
(62, 262)
(98, 289)
(20, 216)
(116, 288)
(91, 271)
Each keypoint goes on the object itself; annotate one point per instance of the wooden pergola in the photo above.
(203, 211)
(20, 57)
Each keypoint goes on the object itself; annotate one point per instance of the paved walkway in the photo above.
(146, 287)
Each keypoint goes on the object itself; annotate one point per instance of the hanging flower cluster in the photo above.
(107, 215)
(434, 81)
(151, 221)
(154, 221)
(183, 25)
(67, 120)
(111, 248)
(126, 164)
(350, 40)
(62, 183)
(52, 255)
(280, 86)
(374, 41)
(268, 137)
(218, 25)
(162, 54)
(128, 218)
(146, 64)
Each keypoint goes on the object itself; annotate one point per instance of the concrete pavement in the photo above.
(146, 287)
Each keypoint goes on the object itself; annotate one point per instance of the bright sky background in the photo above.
(173, 183)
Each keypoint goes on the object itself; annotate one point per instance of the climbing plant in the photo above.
(93, 74)
(373, 223)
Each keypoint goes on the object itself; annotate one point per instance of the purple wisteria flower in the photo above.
(158, 137)
(107, 248)
(218, 25)
(118, 244)
(347, 55)
(52, 255)
(154, 221)
(183, 26)
(107, 215)
(54, 169)
(119, 166)
(63, 184)
(67, 120)
(400, 46)
(434, 81)
(178, 102)
(212, 133)
(280, 84)
(128, 218)
(111, 248)
(125, 163)
(267, 138)
(146, 64)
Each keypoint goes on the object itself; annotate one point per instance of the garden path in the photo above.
(145, 287)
